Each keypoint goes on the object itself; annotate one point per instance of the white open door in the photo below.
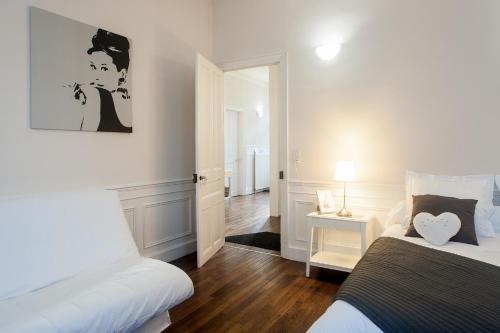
(209, 159)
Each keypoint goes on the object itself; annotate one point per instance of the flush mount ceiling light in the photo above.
(328, 51)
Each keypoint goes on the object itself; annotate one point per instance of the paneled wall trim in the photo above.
(161, 214)
(160, 217)
(362, 198)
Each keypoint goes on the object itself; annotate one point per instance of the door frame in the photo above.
(280, 59)
(237, 181)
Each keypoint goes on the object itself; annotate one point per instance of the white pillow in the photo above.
(479, 187)
(495, 219)
(396, 214)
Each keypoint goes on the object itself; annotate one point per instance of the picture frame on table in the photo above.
(326, 204)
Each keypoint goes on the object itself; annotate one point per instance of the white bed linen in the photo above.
(342, 317)
(55, 236)
(156, 324)
(119, 298)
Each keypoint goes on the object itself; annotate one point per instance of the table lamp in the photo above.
(345, 172)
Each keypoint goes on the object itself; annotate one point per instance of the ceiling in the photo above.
(257, 73)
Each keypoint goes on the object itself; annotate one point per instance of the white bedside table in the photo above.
(330, 259)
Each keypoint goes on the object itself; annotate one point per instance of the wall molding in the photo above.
(245, 77)
(148, 185)
(133, 226)
(357, 187)
(233, 108)
(168, 238)
(307, 203)
(170, 253)
(136, 191)
(363, 198)
(258, 61)
(367, 198)
(137, 198)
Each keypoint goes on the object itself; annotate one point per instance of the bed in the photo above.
(70, 264)
(406, 284)
(343, 317)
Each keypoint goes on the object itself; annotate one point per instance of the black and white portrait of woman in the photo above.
(80, 76)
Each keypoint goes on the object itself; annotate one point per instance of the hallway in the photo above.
(249, 214)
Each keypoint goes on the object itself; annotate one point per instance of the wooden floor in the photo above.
(244, 291)
(248, 214)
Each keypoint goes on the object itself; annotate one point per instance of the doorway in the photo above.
(210, 176)
(251, 158)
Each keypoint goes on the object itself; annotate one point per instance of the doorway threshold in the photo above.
(253, 249)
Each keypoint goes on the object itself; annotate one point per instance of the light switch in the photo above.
(297, 155)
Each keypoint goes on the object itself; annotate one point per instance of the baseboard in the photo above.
(248, 191)
(176, 251)
(295, 254)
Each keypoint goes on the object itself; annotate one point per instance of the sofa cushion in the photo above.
(50, 237)
(118, 298)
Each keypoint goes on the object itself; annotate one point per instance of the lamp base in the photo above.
(344, 213)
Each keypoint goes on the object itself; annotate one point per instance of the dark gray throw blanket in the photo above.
(404, 287)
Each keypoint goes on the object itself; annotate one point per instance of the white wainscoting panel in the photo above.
(130, 216)
(303, 206)
(161, 217)
(160, 223)
(367, 199)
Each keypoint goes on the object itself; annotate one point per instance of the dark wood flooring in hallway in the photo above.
(248, 214)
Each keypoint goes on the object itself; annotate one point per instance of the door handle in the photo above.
(203, 178)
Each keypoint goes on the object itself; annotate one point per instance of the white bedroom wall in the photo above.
(165, 37)
(151, 167)
(415, 86)
(246, 94)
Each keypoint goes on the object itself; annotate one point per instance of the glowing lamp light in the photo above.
(328, 51)
(345, 172)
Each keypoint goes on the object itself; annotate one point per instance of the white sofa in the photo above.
(68, 263)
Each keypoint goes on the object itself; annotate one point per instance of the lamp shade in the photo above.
(345, 171)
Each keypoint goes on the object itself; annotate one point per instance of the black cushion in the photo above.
(436, 204)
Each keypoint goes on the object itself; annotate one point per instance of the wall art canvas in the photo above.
(80, 76)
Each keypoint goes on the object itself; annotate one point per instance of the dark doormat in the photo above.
(264, 240)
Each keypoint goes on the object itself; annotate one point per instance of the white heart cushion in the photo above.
(437, 230)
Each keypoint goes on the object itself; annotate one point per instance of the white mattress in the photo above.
(121, 297)
(342, 317)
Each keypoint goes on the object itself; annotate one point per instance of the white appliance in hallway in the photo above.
(261, 169)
